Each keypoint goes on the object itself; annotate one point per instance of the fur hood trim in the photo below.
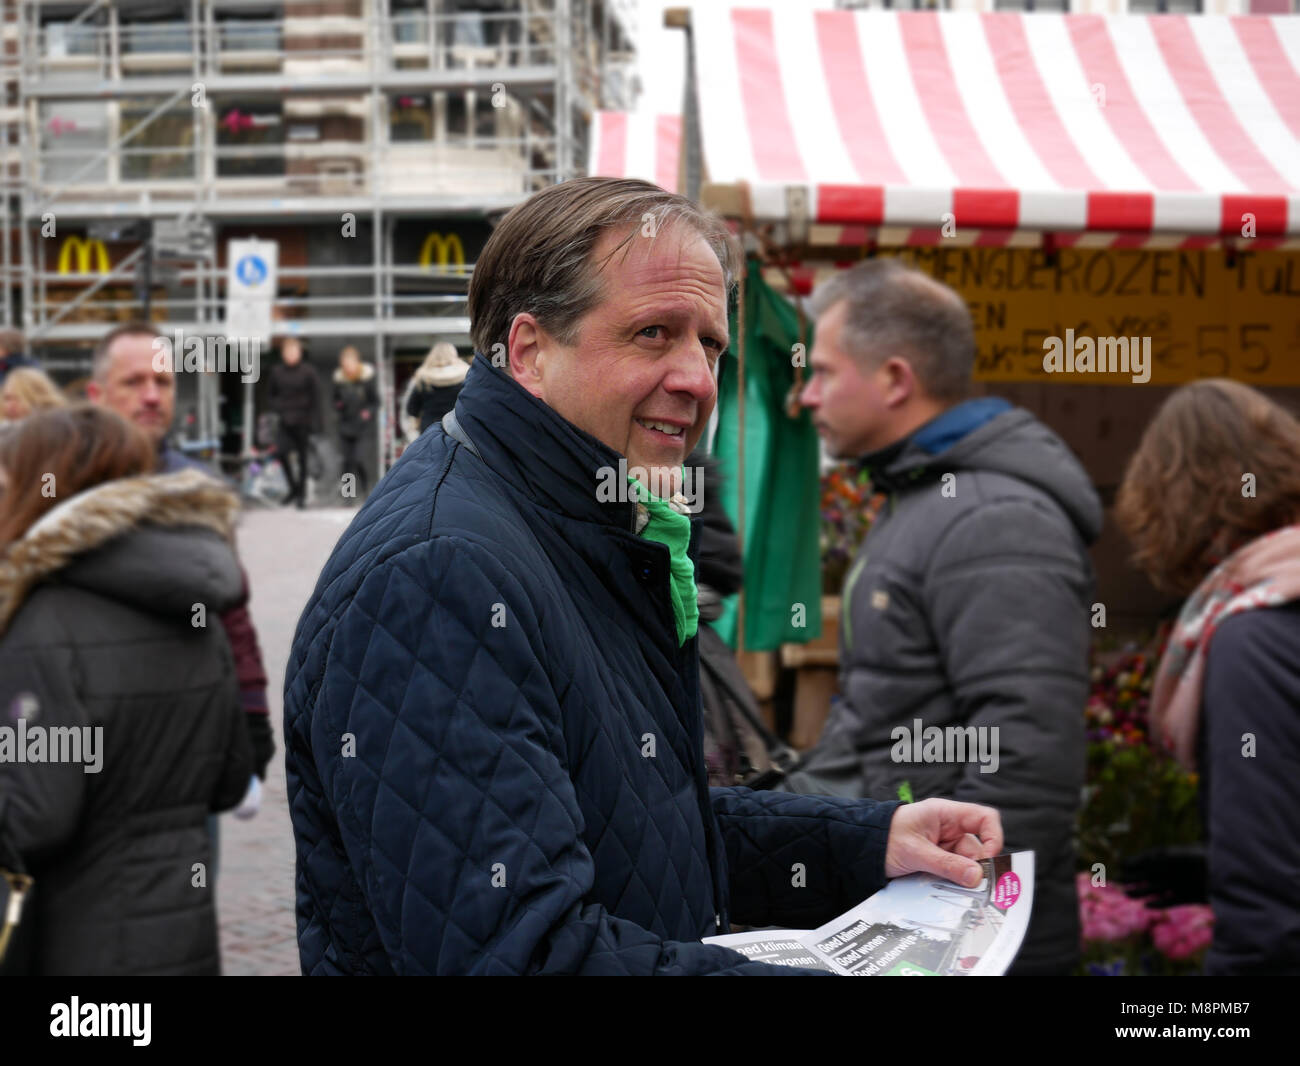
(367, 373)
(92, 518)
(442, 376)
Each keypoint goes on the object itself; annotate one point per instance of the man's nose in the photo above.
(810, 395)
(692, 373)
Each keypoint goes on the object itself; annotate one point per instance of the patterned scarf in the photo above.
(1264, 572)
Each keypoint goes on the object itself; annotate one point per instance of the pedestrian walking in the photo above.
(966, 610)
(433, 388)
(355, 400)
(1211, 503)
(295, 397)
(105, 586)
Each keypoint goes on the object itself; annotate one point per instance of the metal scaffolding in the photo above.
(544, 65)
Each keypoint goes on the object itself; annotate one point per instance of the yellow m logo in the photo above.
(83, 249)
(446, 248)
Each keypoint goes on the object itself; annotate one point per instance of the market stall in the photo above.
(1081, 180)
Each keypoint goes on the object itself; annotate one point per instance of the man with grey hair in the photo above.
(492, 705)
(129, 377)
(964, 637)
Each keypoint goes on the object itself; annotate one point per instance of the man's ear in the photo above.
(527, 350)
(94, 393)
(900, 383)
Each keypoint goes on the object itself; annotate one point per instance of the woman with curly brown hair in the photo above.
(108, 576)
(1211, 502)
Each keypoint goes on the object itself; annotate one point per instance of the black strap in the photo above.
(454, 430)
(784, 758)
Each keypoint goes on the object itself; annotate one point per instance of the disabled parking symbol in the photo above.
(251, 270)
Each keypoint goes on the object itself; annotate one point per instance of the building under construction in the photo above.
(375, 141)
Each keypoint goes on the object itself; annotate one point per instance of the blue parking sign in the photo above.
(251, 270)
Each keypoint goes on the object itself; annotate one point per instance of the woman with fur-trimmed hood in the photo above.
(117, 681)
(433, 388)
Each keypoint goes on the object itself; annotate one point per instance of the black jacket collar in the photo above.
(549, 459)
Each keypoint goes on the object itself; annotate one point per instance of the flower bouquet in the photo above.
(848, 507)
(1122, 937)
(1136, 798)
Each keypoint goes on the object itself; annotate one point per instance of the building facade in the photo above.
(375, 141)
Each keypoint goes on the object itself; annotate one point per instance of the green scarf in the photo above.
(673, 530)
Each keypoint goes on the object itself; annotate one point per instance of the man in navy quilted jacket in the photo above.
(492, 708)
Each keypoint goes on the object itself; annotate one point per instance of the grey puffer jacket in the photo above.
(967, 605)
(102, 634)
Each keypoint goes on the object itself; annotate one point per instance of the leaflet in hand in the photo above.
(916, 926)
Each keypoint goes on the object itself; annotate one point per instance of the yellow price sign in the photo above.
(1117, 316)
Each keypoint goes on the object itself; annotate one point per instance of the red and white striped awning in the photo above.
(1007, 122)
(631, 144)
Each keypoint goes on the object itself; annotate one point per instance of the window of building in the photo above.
(163, 149)
(410, 118)
(463, 124)
(62, 39)
(72, 134)
(410, 21)
(250, 138)
(141, 38)
(249, 30)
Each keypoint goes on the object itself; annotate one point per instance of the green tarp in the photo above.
(782, 491)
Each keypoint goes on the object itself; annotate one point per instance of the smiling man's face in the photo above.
(640, 376)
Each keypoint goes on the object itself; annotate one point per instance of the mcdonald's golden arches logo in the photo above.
(446, 248)
(83, 249)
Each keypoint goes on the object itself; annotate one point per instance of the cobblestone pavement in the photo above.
(283, 552)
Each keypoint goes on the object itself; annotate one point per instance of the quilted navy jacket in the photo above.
(493, 738)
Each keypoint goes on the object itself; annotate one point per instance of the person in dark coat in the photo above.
(295, 397)
(433, 388)
(1211, 503)
(105, 592)
(492, 711)
(967, 605)
(126, 381)
(355, 400)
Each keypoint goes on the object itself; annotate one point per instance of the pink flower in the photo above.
(1107, 914)
(1183, 931)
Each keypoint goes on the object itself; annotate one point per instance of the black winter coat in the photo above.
(1251, 803)
(353, 397)
(429, 403)
(100, 618)
(295, 395)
